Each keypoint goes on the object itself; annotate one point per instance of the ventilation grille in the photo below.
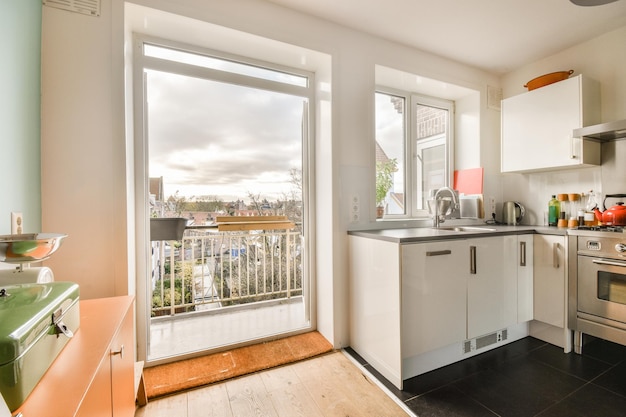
(484, 341)
(88, 7)
(487, 340)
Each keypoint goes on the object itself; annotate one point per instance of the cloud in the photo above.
(207, 135)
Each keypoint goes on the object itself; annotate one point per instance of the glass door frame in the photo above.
(141, 198)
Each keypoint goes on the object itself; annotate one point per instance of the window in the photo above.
(413, 149)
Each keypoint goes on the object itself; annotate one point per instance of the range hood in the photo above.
(604, 131)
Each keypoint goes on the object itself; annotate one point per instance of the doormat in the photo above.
(191, 373)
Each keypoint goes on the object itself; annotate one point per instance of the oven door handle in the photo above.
(612, 263)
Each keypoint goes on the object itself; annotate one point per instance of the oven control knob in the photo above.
(620, 247)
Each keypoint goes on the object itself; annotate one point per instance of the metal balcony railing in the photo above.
(212, 269)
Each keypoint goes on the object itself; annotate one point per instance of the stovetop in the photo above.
(614, 229)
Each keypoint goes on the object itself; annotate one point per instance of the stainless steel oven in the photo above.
(597, 289)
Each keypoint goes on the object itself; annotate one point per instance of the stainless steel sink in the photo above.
(465, 229)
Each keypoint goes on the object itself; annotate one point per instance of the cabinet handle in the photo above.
(555, 255)
(571, 147)
(118, 352)
(472, 259)
(522, 254)
(439, 252)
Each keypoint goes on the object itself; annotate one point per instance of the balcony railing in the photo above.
(212, 269)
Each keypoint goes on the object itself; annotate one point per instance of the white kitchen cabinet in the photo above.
(550, 291)
(491, 285)
(434, 291)
(374, 279)
(414, 306)
(525, 277)
(537, 127)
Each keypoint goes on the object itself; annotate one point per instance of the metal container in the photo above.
(512, 213)
(470, 208)
(167, 228)
(29, 247)
(36, 322)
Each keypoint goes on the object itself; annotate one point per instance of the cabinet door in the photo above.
(97, 401)
(123, 369)
(537, 127)
(491, 286)
(434, 288)
(549, 279)
(375, 315)
(524, 262)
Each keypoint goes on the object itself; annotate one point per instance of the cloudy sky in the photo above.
(213, 139)
(390, 135)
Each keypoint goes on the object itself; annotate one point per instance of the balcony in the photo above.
(230, 286)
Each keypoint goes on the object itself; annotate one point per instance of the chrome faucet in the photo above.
(439, 218)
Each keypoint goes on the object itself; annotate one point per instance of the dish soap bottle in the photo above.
(553, 211)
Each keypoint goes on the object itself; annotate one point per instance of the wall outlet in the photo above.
(491, 206)
(355, 209)
(17, 223)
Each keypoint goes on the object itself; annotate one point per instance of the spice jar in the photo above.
(564, 202)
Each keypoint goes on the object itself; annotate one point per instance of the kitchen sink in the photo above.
(467, 229)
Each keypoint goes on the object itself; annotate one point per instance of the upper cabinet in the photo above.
(537, 127)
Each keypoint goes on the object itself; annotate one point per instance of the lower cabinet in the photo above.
(98, 399)
(122, 359)
(550, 291)
(491, 285)
(374, 304)
(112, 392)
(434, 294)
(550, 280)
(524, 258)
(408, 302)
(94, 374)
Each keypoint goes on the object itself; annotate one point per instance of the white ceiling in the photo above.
(495, 35)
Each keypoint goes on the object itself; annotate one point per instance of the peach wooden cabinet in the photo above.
(94, 374)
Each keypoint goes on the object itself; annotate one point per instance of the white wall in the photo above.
(604, 60)
(82, 146)
(85, 192)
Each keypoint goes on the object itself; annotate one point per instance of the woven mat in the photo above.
(190, 373)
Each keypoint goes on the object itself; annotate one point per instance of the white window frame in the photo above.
(413, 147)
(417, 146)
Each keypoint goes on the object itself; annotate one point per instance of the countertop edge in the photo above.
(427, 234)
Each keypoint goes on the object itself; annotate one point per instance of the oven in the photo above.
(597, 289)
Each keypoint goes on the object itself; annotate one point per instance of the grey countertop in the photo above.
(424, 234)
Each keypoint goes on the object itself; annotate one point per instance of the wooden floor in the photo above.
(326, 386)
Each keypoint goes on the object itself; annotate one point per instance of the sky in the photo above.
(390, 135)
(226, 141)
(208, 138)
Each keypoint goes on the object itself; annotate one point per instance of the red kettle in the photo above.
(614, 216)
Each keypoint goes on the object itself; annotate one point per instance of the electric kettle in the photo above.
(512, 213)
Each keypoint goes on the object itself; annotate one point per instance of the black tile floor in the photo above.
(525, 378)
